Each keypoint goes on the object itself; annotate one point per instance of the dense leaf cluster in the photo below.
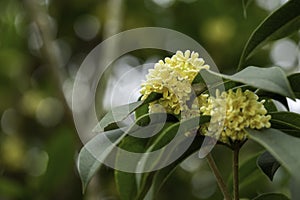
(281, 141)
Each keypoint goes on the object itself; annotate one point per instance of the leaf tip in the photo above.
(83, 188)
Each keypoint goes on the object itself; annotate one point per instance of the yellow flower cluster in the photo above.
(233, 111)
(172, 78)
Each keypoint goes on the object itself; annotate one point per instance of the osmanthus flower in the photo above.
(236, 111)
(172, 78)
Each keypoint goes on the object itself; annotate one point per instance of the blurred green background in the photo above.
(43, 43)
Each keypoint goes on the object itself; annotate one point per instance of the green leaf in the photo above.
(283, 147)
(278, 24)
(125, 181)
(294, 189)
(117, 114)
(207, 80)
(271, 196)
(212, 82)
(126, 185)
(120, 113)
(271, 79)
(159, 177)
(287, 122)
(198, 79)
(99, 147)
(268, 164)
(142, 110)
(277, 97)
(294, 80)
(270, 106)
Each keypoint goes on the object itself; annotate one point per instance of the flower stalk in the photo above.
(218, 176)
(235, 168)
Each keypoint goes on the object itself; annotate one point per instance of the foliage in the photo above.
(38, 142)
(281, 141)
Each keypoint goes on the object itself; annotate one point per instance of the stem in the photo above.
(236, 172)
(218, 176)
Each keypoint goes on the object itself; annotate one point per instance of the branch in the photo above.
(235, 168)
(218, 176)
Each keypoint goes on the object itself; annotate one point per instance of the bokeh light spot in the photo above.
(36, 162)
(86, 27)
(219, 30)
(12, 152)
(49, 112)
(9, 121)
(164, 3)
(203, 184)
(285, 53)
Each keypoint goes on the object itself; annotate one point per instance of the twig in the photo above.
(235, 168)
(218, 176)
